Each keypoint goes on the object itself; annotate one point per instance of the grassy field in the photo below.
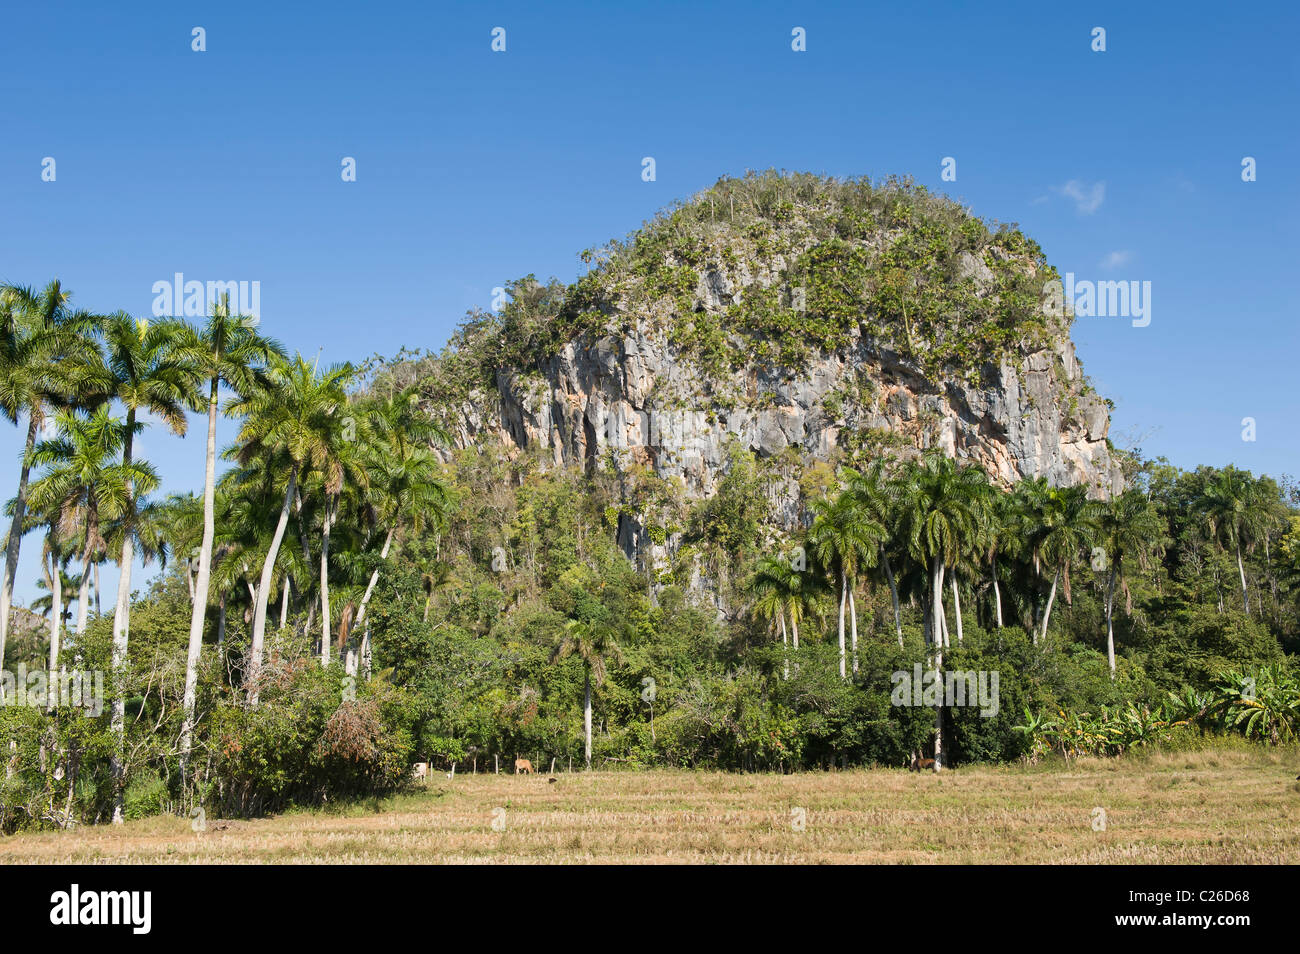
(1220, 806)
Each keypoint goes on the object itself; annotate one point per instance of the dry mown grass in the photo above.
(1233, 806)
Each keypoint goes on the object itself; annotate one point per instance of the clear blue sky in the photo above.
(475, 167)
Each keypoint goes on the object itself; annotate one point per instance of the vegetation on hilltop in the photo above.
(821, 260)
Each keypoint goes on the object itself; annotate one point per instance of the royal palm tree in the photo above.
(771, 586)
(182, 527)
(998, 537)
(845, 539)
(227, 350)
(592, 641)
(977, 542)
(874, 494)
(940, 510)
(1232, 505)
(87, 481)
(1132, 535)
(291, 420)
(941, 518)
(403, 471)
(147, 377)
(48, 361)
(1069, 523)
(54, 601)
(56, 580)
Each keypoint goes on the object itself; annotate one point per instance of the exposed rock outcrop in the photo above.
(627, 393)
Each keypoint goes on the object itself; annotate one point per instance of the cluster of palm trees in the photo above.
(334, 464)
(933, 529)
(915, 526)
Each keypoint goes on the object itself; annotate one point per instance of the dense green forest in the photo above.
(351, 592)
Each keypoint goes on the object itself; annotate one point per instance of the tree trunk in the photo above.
(997, 592)
(284, 599)
(121, 634)
(844, 596)
(56, 613)
(586, 717)
(374, 578)
(330, 504)
(1241, 568)
(785, 648)
(956, 603)
(1110, 620)
(83, 596)
(1051, 598)
(853, 618)
(943, 613)
(936, 604)
(893, 596)
(938, 625)
(198, 613)
(15, 540)
(264, 588)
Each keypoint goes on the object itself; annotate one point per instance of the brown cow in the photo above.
(919, 764)
(523, 766)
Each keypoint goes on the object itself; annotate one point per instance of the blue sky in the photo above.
(474, 167)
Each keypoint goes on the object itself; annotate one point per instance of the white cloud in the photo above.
(1116, 259)
(1087, 198)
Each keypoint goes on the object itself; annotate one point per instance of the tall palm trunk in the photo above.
(325, 582)
(785, 648)
(83, 594)
(374, 578)
(937, 625)
(15, 538)
(199, 611)
(943, 613)
(1110, 620)
(586, 716)
(956, 603)
(367, 656)
(997, 590)
(1051, 598)
(56, 612)
(121, 634)
(221, 622)
(844, 597)
(893, 596)
(853, 618)
(936, 604)
(284, 600)
(1241, 568)
(264, 588)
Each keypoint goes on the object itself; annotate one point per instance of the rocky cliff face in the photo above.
(629, 394)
